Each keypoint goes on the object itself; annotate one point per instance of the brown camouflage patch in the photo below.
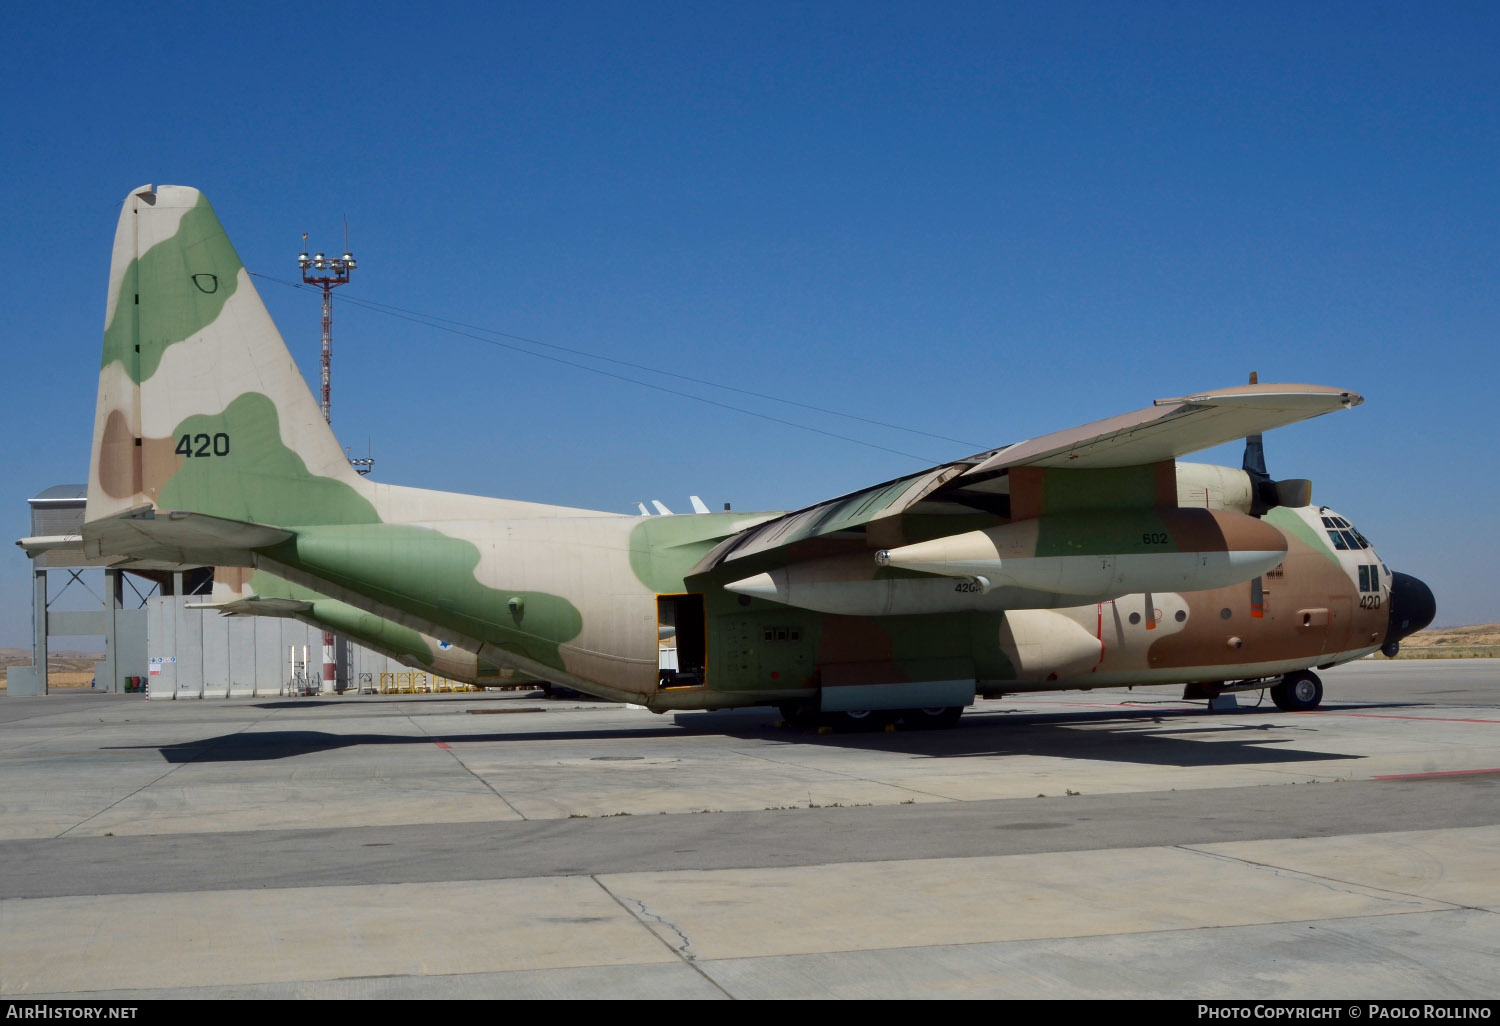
(235, 578)
(1025, 492)
(1197, 530)
(121, 461)
(859, 641)
(1308, 581)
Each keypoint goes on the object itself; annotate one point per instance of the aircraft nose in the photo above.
(1412, 608)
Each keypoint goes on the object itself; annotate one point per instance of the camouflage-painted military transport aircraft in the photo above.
(1082, 559)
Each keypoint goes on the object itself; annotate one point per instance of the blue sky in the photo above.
(984, 221)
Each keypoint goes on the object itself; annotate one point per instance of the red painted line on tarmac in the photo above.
(1387, 716)
(1182, 703)
(1438, 773)
(442, 744)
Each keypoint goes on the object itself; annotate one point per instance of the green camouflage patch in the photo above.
(182, 285)
(259, 479)
(430, 575)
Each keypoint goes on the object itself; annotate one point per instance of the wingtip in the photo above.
(1270, 395)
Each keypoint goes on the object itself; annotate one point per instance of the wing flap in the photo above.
(824, 529)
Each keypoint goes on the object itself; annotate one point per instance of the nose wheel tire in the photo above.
(1298, 692)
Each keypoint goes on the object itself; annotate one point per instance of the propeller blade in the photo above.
(1267, 497)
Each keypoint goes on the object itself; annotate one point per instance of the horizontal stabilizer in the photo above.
(255, 605)
(189, 538)
(36, 546)
(68, 550)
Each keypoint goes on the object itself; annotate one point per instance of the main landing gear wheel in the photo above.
(1298, 692)
(932, 718)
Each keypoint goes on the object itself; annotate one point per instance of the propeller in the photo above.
(1268, 494)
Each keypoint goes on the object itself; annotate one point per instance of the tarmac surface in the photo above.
(1108, 844)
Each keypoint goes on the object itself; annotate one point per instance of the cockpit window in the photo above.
(1343, 534)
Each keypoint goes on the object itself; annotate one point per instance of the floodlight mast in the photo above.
(328, 273)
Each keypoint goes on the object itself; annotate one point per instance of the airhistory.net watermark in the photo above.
(44, 1010)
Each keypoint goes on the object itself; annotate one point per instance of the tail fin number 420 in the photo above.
(203, 445)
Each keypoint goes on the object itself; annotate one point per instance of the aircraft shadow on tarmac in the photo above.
(1146, 737)
(1158, 737)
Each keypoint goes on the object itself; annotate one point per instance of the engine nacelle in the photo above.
(1207, 486)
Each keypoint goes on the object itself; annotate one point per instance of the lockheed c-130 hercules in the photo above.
(1087, 558)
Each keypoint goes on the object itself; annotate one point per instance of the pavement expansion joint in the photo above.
(646, 917)
(172, 768)
(1327, 882)
(458, 759)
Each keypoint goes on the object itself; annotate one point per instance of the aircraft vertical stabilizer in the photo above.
(201, 407)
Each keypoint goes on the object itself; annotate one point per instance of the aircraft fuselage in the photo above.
(586, 607)
(1088, 557)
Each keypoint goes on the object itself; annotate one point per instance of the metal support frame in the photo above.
(114, 599)
(32, 680)
(109, 621)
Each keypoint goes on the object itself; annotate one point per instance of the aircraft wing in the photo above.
(980, 485)
(1169, 428)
